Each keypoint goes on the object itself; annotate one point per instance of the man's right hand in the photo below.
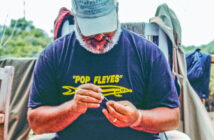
(42, 119)
(87, 96)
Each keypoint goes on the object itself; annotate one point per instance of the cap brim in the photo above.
(92, 26)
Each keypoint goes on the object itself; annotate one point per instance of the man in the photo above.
(102, 82)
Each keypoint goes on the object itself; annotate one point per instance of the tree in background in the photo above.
(208, 48)
(22, 39)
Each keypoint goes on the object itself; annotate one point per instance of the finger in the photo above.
(127, 104)
(108, 116)
(105, 112)
(115, 114)
(89, 93)
(111, 119)
(118, 107)
(89, 86)
(88, 99)
(92, 105)
(88, 105)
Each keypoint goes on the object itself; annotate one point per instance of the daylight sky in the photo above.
(196, 16)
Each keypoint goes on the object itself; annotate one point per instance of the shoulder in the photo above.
(57, 46)
(137, 40)
(143, 47)
(61, 42)
(54, 53)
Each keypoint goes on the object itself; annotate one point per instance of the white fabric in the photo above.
(67, 28)
(176, 135)
(48, 136)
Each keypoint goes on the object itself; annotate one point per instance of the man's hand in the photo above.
(87, 96)
(52, 119)
(121, 113)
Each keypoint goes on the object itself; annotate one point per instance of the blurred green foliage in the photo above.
(208, 48)
(22, 39)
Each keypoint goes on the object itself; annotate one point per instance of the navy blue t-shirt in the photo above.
(134, 70)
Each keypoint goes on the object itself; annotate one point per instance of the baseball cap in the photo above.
(95, 16)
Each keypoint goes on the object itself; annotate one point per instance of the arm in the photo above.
(152, 121)
(158, 120)
(47, 119)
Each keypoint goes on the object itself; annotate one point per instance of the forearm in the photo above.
(158, 120)
(49, 119)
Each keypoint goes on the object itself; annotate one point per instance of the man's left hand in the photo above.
(121, 113)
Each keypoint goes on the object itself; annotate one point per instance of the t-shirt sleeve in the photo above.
(161, 90)
(44, 87)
